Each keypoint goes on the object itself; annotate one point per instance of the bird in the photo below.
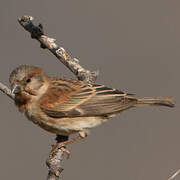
(65, 106)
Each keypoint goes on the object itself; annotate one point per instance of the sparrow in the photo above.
(66, 106)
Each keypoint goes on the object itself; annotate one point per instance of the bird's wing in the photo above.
(69, 100)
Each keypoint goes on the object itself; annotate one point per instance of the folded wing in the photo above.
(68, 100)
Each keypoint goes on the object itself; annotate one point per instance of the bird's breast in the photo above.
(34, 114)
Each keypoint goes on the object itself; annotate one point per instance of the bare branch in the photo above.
(174, 175)
(46, 42)
(54, 165)
(6, 90)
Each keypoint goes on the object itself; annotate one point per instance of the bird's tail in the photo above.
(160, 101)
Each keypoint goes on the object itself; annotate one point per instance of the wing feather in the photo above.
(78, 100)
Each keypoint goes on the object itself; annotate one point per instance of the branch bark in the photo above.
(72, 64)
(6, 90)
(54, 165)
(174, 175)
(53, 162)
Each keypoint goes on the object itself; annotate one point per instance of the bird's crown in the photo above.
(22, 71)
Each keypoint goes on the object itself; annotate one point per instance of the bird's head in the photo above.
(27, 80)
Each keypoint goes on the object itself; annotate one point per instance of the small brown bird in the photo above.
(66, 106)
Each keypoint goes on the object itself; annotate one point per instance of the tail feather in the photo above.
(161, 101)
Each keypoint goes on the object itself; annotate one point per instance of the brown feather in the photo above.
(94, 100)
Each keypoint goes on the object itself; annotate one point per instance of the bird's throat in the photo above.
(21, 101)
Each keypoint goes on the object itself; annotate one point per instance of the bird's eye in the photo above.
(28, 80)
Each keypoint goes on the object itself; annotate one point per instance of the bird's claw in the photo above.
(60, 146)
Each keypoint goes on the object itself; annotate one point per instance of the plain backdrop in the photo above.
(136, 46)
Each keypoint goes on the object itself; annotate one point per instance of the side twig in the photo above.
(6, 90)
(72, 64)
(174, 175)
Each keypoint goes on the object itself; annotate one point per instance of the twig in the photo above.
(174, 175)
(54, 165)
(72, 64)
(6, 90)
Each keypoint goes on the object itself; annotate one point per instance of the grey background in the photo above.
(136, 46)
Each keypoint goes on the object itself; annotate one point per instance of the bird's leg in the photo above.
(60, 138)
(62, 141)
(59, 141)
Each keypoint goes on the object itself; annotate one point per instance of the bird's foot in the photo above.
(60, 146)
(62, 141)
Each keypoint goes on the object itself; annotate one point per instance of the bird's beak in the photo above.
(15, 89)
